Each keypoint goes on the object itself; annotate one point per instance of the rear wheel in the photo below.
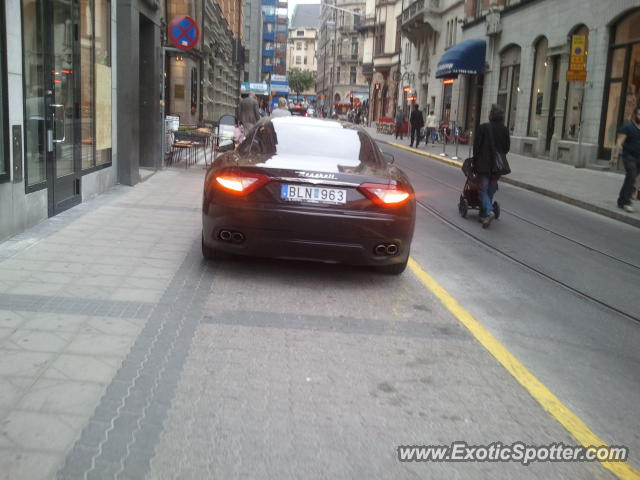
(463, 207)
(394, 269)
(210, 253)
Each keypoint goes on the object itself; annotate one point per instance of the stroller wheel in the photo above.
(463, 206)
(496, 210)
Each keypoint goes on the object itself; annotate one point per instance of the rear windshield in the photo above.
(313, 137)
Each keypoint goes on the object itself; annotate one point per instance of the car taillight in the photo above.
(240, 183)
(385, 195)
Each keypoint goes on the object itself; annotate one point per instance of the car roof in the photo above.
(307, 121)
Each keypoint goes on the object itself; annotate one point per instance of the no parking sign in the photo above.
(183, 32)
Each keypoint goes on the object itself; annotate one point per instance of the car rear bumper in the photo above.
(309, 234)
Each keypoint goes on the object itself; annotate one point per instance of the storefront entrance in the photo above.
(623, 79)
(51, 60)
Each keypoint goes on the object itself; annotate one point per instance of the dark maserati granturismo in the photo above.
(309, 189)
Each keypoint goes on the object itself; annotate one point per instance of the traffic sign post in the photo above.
(183, 32)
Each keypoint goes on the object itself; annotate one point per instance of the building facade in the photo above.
(528, 54)
(203, 83)
(429, 28)
(303, 39)
(275, 27)
(252, 39)
(58, 143)
(340, 77)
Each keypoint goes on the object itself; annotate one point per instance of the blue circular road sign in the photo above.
(183, 32)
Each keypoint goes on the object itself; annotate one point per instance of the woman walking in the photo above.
(490, 148)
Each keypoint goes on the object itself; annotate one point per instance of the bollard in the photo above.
(455, 129)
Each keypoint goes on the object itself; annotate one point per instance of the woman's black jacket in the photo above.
(483, 153)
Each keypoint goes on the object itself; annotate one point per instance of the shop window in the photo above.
(575, 96)
(33, 78)
(95, 82)
(623, 89)
(5, 173)
(540, 67)
(509, 84)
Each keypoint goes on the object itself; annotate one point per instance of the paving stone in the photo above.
(62, 396)
(39, 431)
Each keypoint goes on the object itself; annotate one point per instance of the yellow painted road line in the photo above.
(535, 387)
(440, 158)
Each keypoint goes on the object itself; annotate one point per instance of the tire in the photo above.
(463, 207)
(394, 269)
(210, 253)
(207, 252)
(496, 209)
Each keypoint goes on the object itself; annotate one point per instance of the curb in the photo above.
(533, 188)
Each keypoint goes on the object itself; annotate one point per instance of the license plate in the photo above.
(303, 193)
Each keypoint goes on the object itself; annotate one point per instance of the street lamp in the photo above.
(410, 76)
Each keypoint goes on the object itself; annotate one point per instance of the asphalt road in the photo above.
(252, 368)
(321, 371)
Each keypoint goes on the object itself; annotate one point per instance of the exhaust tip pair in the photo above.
(386, 249)
(231, 236)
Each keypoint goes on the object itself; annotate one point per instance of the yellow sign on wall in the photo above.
(578, 62)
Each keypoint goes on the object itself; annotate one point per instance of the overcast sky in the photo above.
(293, 3)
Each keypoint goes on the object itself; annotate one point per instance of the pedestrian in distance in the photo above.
(248, 112)
(628, 143)
(432, 126)
(399, 123)
(416, 120)
(282, 110)
(490, 148)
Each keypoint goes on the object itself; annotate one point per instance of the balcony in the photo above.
(269, 19)
(268, 3)
(283, 20)
(267, 68)
(353, 58)
(268, 53)
(269, 36)
(282, 4)
(367, 23)
(420, 18)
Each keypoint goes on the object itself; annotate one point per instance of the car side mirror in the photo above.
(388, 157)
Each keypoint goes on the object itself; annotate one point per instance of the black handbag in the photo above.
(500, 163)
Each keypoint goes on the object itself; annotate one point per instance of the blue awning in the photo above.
(465, 58)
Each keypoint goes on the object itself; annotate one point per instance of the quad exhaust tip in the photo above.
(389, 249)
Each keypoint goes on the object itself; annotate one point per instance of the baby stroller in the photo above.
(469, 198)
